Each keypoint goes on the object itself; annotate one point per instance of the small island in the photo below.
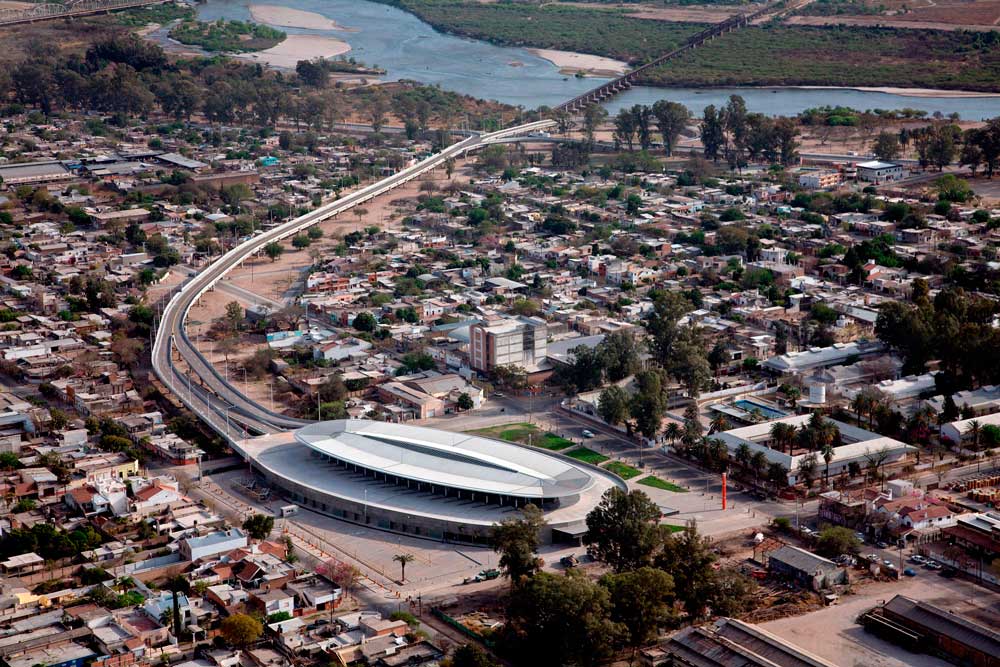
(230, 36)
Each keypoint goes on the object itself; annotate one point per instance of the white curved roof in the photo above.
(455, 460)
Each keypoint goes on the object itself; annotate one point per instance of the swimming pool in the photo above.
(765, 411)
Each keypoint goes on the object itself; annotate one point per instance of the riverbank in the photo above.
(286, 17)
(570, 62)
(296, 48)
(784, 55)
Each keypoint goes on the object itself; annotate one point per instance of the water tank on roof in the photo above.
(817, 392)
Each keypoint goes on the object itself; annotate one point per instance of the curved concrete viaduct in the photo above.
(212, 398)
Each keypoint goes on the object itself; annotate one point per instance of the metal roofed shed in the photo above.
(805, 568)
(178, 160)
(731, 643)
(34, 172)
(926, 627)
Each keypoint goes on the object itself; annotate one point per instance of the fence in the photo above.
(489, 643)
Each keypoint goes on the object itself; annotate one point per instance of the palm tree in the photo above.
(403, 559)
(861, 404)
(974, 430)
(718, 423)
(758, 463)
(793, 394)
(672, 432)
(743, 455)
(782, 435)
(827, 453)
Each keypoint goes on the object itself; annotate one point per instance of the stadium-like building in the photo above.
(426, 482)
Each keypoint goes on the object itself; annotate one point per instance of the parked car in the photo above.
(931, 565)
(910, 572)
(882, 545)
(950, 573)
(587, 433)
(918, 559)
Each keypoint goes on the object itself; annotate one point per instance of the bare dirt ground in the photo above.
(832, 632)
(975, 15)
(692, 14)
(907, 21)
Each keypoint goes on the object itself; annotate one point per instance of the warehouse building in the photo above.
(729, 643)
(923, 627)
(805, 568)
(31, 173)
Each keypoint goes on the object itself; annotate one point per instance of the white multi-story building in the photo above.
(876, 172)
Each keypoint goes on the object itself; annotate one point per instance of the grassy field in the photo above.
(760, 55)
(658, 483)
(587, 456)
(526, 434)
(622, 470)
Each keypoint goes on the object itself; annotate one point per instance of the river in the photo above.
(408, 48)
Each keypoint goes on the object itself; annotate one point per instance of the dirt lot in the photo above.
(832, 632)
(908, 21)
(977, 15)
(686, 14)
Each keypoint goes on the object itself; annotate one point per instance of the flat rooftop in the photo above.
(443, 458)
(283, 456)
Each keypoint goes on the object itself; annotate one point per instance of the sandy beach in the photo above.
(296, 48)
(909, 92)
(285, 17)
(570, 62)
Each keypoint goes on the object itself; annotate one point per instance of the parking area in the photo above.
(436, 567)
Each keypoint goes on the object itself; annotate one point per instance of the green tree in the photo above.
(619, 355)
(403, 560)
(671, 120)
(470, 655)
(613, 405)
(465, 401)
(241, 630)
(834, 541)
(556, 620)
(688, 558)
(713, 136)
(516, 540)
(641, 603)
(259, 526)
(364, 321)
(274, 250)
(623, 530)
(886, 146)
(807, 469)
(648, 403)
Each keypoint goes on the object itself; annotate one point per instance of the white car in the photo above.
(587, 433)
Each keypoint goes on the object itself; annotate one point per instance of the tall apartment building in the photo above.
(519, 342)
